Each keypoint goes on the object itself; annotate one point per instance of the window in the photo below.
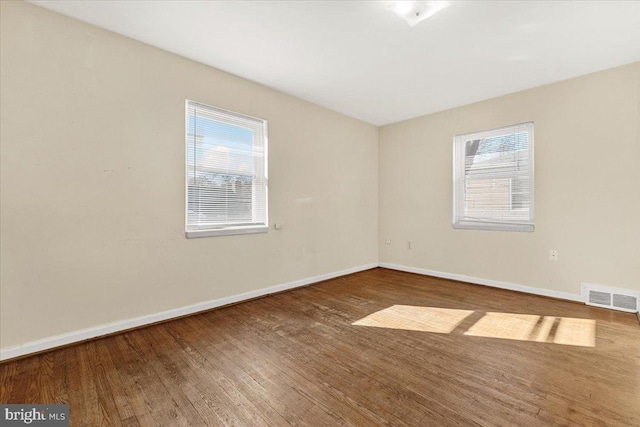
(493, 179)
(226, 172)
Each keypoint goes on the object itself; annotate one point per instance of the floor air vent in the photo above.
(608, 297)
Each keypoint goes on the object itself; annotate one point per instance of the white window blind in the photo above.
(493, 179)
(226, 161)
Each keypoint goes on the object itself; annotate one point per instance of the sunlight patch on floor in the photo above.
(522, 327)
(509, 326)
(527, 327)
(572, 331)
(412, 318)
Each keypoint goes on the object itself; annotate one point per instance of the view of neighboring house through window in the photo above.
(226, 161)
(493, 179)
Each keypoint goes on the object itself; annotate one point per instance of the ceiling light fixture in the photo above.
(416, 11)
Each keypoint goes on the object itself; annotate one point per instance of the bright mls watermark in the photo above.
(36, 415)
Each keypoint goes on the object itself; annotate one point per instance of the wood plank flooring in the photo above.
(296, 359)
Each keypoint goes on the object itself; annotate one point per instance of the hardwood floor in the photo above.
(296, 359)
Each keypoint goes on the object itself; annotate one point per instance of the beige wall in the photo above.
(92, 184)
(587, 166)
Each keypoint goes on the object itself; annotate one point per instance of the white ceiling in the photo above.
(360, 59)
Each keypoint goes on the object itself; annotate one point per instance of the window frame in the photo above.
(459, 180)
(227, 229)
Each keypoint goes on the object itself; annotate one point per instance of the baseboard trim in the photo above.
(485, 282)
(124, 325)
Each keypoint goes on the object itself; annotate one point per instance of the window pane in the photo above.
(493, 177)
(226, 169)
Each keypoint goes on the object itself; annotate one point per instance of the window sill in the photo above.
(494, 226)
(227, 231)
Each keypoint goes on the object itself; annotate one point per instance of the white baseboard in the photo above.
(485, 282)
(84, 334)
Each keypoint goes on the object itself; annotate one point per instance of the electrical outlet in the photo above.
(388, 241)
(553, 255)
(409, 244)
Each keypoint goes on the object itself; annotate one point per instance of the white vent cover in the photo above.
(609, 297)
